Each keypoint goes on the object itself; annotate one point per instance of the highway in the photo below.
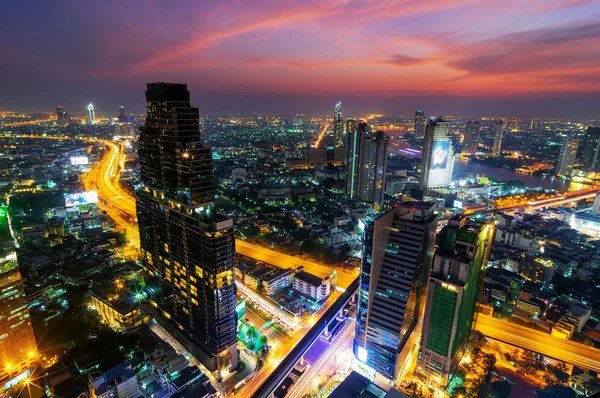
(342, 278)
(542, 343)
(285, 364)
(339, 352)
(118, 203)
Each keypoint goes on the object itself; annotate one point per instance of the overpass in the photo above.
(543, 343)
(290, 360)
(530, 205)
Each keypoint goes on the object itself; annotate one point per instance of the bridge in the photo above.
(296, 354)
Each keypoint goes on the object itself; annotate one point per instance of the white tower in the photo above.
(91, 114)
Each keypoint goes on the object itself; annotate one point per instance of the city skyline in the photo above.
(403, 57)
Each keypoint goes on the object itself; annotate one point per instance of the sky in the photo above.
(449, 57)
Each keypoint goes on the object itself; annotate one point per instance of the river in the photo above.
(462, 169)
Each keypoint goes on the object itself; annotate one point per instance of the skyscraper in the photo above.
(471, 141)
(397, 252)
(91, 114)
(338, 124)
(497, 149)
(186, 249)
(60, 114)
(18, 348)
(566, 158)
(454, 288)
(420, 121)
(366, 164)
(589, 152)
(122, 115)
(437, 162)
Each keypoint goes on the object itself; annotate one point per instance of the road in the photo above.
(542, 343)
(281, 317)
(342, 278)
(338, 354)
(103, 177)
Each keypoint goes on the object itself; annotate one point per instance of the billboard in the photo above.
(458, 204)
(81, 198)
(439, 155)
(79, 160)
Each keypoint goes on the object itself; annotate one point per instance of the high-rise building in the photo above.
(454, 288)
(338, 124)
(366, 164)
(589, 152)
(497, 128)
(437, 162)
(350, 127)
(122, 115)
(420, 121)
(18, 348)
(566, 158)
(60, 114)
(471, 141)
(186, 249)
(397, 253)
(91, 114)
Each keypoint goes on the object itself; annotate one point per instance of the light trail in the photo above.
(540, 342)
(321, 135)
(341, 347)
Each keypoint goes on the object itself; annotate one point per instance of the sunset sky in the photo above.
(468, 57)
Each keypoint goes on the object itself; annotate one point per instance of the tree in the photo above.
(328, 183)
(501, 389)
(557, 391)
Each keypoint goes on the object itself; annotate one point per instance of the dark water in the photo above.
(462, 169)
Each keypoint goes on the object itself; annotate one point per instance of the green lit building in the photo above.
(453, 291)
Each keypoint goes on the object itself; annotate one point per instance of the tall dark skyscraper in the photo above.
(338, 124)
(186, 248)
(366, 164)
(471, 141)
(397, 253)
(420, 120)
(60, 114)
(18, 348)
(452, 294)
(589, 150)
(498, 128)
(437, 162)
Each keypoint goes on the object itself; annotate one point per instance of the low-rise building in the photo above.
(532, 306)
(277, 280)
(538, 269)
(118, 382)
(311, 285)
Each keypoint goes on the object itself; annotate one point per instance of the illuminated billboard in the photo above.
(458, 204)
(81, 198)
(79, 160)
(439, 155)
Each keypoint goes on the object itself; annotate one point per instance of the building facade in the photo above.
(186, 249)
(18, 348)
(366, 164)
(397, 253)
(566, 158)
(312, 286)
(454, 287)
(537, 269)
(589, 151)
(437, 162)
(498, 134)
(420, 121)
(471, 140)
(338, 124)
